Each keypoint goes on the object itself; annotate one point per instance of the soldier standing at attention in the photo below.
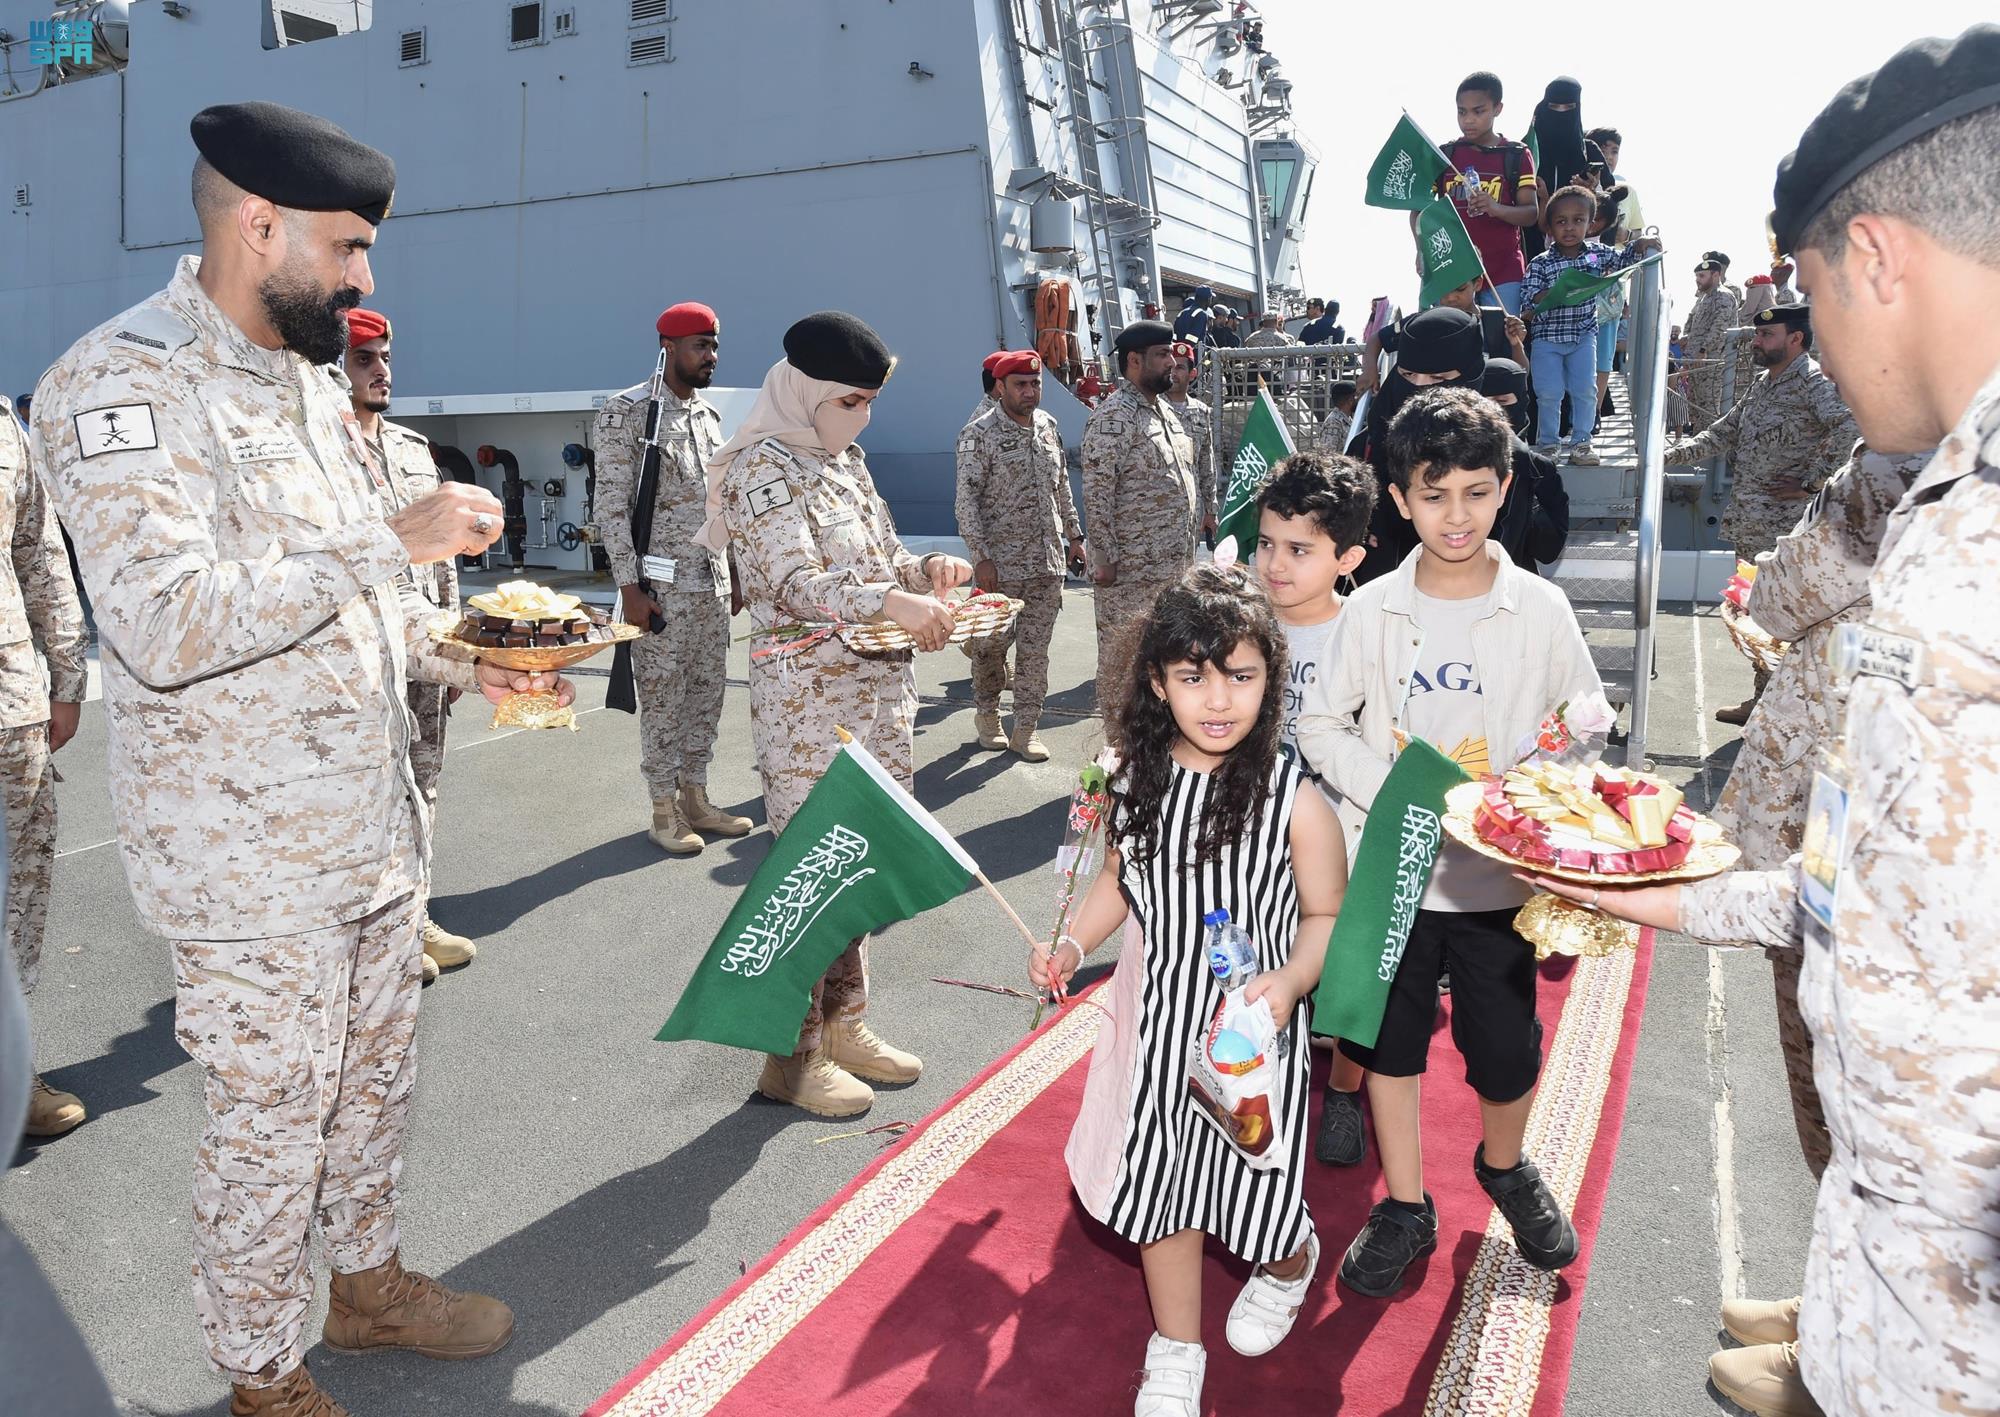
(405, 455)
(1787, 434)
(1020, 524)
(40, 622)
(677, 591)
(257, 616)
(791, 498)
(1197, 418)
(989, 400)
(1891, 899)
(1704, 342)
(1142, 506)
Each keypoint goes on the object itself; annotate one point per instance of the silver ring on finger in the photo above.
(1595, 897)
(481, 524)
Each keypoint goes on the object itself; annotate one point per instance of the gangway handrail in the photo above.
(1646, 386)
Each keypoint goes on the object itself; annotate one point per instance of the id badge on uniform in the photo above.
(659, 570)
(1824, 846)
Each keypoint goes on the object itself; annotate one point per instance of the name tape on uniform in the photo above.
(1857, 650)
(265, 447)
(122, 428)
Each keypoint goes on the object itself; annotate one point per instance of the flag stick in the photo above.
(1034, 941)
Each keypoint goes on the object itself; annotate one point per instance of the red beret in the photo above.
(687, 318)
(364, 325)
(1184, 350)
(992, 360)
(1016, 361)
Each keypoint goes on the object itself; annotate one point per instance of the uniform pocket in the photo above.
(256, 1044)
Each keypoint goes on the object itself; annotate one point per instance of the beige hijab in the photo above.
(784, 410)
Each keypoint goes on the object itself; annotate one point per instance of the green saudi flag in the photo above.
(1577, 286)
(1407, 169)
(860, 854)
(1534, 146)
(1265, 442)
(1446, 250)
(1399, 850)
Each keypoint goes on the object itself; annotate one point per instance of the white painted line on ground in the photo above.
(79, 850)
(1728, 1221)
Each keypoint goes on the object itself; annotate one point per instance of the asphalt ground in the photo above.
(609, 1187)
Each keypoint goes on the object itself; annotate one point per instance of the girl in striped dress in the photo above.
(1208, 816)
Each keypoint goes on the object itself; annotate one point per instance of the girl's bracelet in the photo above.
(1071, 941)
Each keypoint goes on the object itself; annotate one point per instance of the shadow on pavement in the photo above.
(119, 1078)
(489, 911)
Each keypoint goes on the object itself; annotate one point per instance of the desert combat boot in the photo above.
(671, 832)
(392, 1307)
(293, 1395)
(814, 1083)
(852, 1045)
(702, 816)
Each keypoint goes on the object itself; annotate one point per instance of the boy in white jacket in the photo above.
(1459, 647)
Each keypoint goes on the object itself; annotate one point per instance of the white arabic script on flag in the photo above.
(807, 890)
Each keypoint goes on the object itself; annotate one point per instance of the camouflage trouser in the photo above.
(1705, 391)
(1041, 602)
(796, 703)
(678, 675)
(1120, 609)
(31, 843)
(430, 707)
(1795, 1039)
(307, 1048)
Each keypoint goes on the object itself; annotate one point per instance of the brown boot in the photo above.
(986, 727)
(697, 812)
(1024, 741)
(392, 1307)
(813, 1082)
(449, 950)
(293, 1395)
(852, 1045)
(1754, 1321)
(1736, 714)
(1763, 1380)
(670, 830)
(51, 1113)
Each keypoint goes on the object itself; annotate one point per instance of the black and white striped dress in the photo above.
(1161, 1167)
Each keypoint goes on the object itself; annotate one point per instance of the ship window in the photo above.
(288, 22)
(1278, 174)
(1305, 196)
(524, 25)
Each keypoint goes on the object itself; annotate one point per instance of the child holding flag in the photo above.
(1465, 650)
(1315, 513)
(1563, 358)
(1207, 815)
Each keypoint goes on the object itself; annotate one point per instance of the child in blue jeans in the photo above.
(1563, 357)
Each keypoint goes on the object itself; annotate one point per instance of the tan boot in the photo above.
(293, 1395)
(392, 1307)
(813, 1082)
(852, 1045)
(1755, 1321)
(449, 950)
(699, 814)
(670, 831)
(1736, 714)
(430, 970)
(51, 1113)
(1763, 1380)
(986, 724)
(1023, 741)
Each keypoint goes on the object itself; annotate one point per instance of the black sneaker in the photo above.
(1392, 1238)
(1542, 1232)
(1343, 1136)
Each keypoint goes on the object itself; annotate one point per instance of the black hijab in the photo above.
(1504, 376)
(1560, 135)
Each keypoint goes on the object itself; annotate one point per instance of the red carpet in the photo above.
(958, 1275)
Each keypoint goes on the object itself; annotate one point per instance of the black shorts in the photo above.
(1492, 1004)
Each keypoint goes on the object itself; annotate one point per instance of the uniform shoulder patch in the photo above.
(152, 331)
(121, 428)
(768, 496)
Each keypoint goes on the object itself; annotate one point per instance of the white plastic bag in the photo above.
(1234, 1077)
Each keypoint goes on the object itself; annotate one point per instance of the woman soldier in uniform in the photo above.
(810, 540)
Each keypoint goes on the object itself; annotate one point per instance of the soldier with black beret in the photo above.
(251, 574)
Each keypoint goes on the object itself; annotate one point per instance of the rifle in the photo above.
(622, 694)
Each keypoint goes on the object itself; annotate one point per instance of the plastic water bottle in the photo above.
(1230, 956)
(1472, 182)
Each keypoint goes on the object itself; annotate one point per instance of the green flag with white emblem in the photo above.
(1265, 443)
(1445, 247)
(860, 854)
(1407, 169)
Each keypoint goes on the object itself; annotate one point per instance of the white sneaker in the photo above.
(1266, 1309)
(1551, 451)
(1173, 1379)
(1583, 455)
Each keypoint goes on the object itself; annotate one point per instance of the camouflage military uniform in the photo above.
(679, 672)
(1336, 431)
(1756, 299)
(1791, 424)
(987, 403)
(1268, 339)
(814, 543)
(1142, 510)
(1015, 510)
(40, 622)
(1704, 345)
(1199, 420)
(258, 624)
(1815, 581)
(1903, 996)
(413, 475)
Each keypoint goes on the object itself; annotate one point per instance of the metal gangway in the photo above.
(1610, 568)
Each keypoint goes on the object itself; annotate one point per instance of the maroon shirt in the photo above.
(1499, 242)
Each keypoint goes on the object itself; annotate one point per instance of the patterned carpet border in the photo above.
(696, 1368)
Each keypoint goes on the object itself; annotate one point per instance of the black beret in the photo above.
(1707, 263)
(1141, 335)
(295, 159)
(840, 348)
(1717, 257)
(1792, 317)
(1441, 339)
(1925, 85)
